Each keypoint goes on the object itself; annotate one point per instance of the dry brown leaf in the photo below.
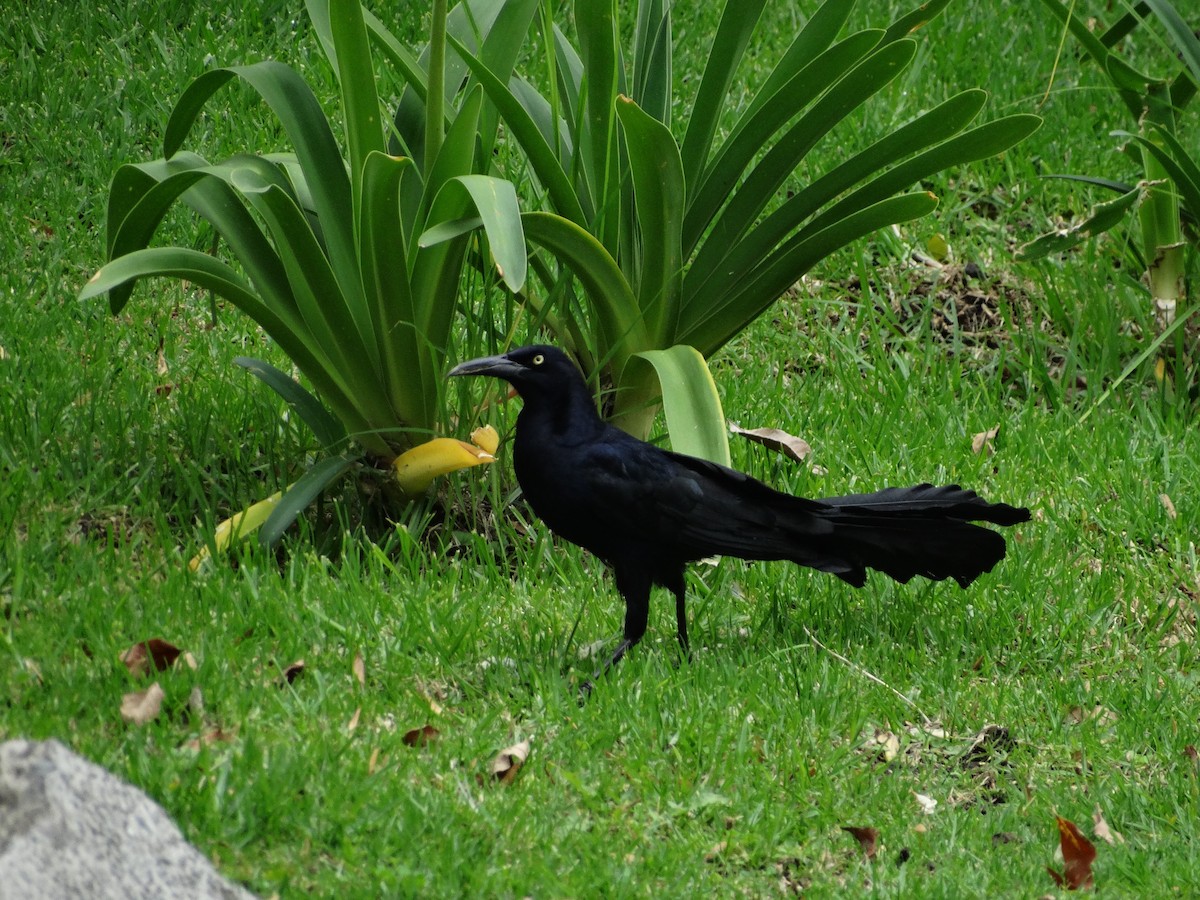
(776, 439)
(1168, 506)
(359, 669)
(155, 652)
(212, 736)
(141, 707)
(419, 737)
(508, 762)
(372, 762)
(160, 364)
(1102, 831)
(716, 851)
(984, 439)
(867, 838)
(292, 672)
(353, 723)
(1192, 754)
(1078, 854)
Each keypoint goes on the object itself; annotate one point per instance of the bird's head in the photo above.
(535, 371)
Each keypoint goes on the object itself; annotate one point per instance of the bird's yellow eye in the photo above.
(539, 359)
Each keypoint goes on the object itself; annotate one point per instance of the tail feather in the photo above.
(922, 530)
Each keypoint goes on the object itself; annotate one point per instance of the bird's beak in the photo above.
(497, 366)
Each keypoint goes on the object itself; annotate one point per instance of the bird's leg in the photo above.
(679, 589)
(635, 588)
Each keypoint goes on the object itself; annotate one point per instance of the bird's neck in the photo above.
(569, 416)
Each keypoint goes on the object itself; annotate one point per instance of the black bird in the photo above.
(647, 512)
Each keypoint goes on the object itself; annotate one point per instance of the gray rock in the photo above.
(70, 829)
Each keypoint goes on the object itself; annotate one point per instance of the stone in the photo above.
(70, 829)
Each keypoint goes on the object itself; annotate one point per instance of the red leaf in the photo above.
(162, 654)
(1078, 855)
(419, 737)
(867, 838)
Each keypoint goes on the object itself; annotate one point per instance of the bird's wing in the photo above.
(689, 506)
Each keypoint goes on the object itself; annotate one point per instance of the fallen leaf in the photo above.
(359, 669)
(212, 736)
(156, 651)
(508, 762)
(867, 838)
(1004, 837)
(160, 365)
(776, 439)
(1168, 506)
(292, 672)
(419, 737)
(1102, 831)
(890, 744)
(1192, 754)
(984, 439)
(716, 851)
(353, 723)
(927, 803)
(141, 707)
(1078, 855)
(371, 763)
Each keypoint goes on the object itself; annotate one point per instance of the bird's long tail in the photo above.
(922, 530)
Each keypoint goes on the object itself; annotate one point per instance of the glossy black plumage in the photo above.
(647, 512)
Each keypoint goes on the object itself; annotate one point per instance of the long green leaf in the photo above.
(691, 404)
(542, 158)
(214, 275)
(738, 20)
(658, 190)
(651, 89)
(863, 81)
(457, 158)
(360, 102)
(754, 133)
(328, 430)
(615, 305)
(213, 198)
(298, 110)
(709, 332)
(411, 383)
(1103, 217)
(345, 330)
(595, 22)
(1182, 34)
(496, 202)
(818, 33)
(918, 18)
(301, 494)
(720, 263)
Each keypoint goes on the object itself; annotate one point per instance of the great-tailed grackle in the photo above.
(647, 512)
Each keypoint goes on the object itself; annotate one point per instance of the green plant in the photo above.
(327, 245)
(1170, 174)
(679, 246)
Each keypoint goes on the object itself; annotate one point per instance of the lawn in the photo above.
(957, 724)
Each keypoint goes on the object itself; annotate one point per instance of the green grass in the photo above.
(732, 774)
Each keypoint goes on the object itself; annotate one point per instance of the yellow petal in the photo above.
(239, 526)
(416, 468)
(486, 438)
